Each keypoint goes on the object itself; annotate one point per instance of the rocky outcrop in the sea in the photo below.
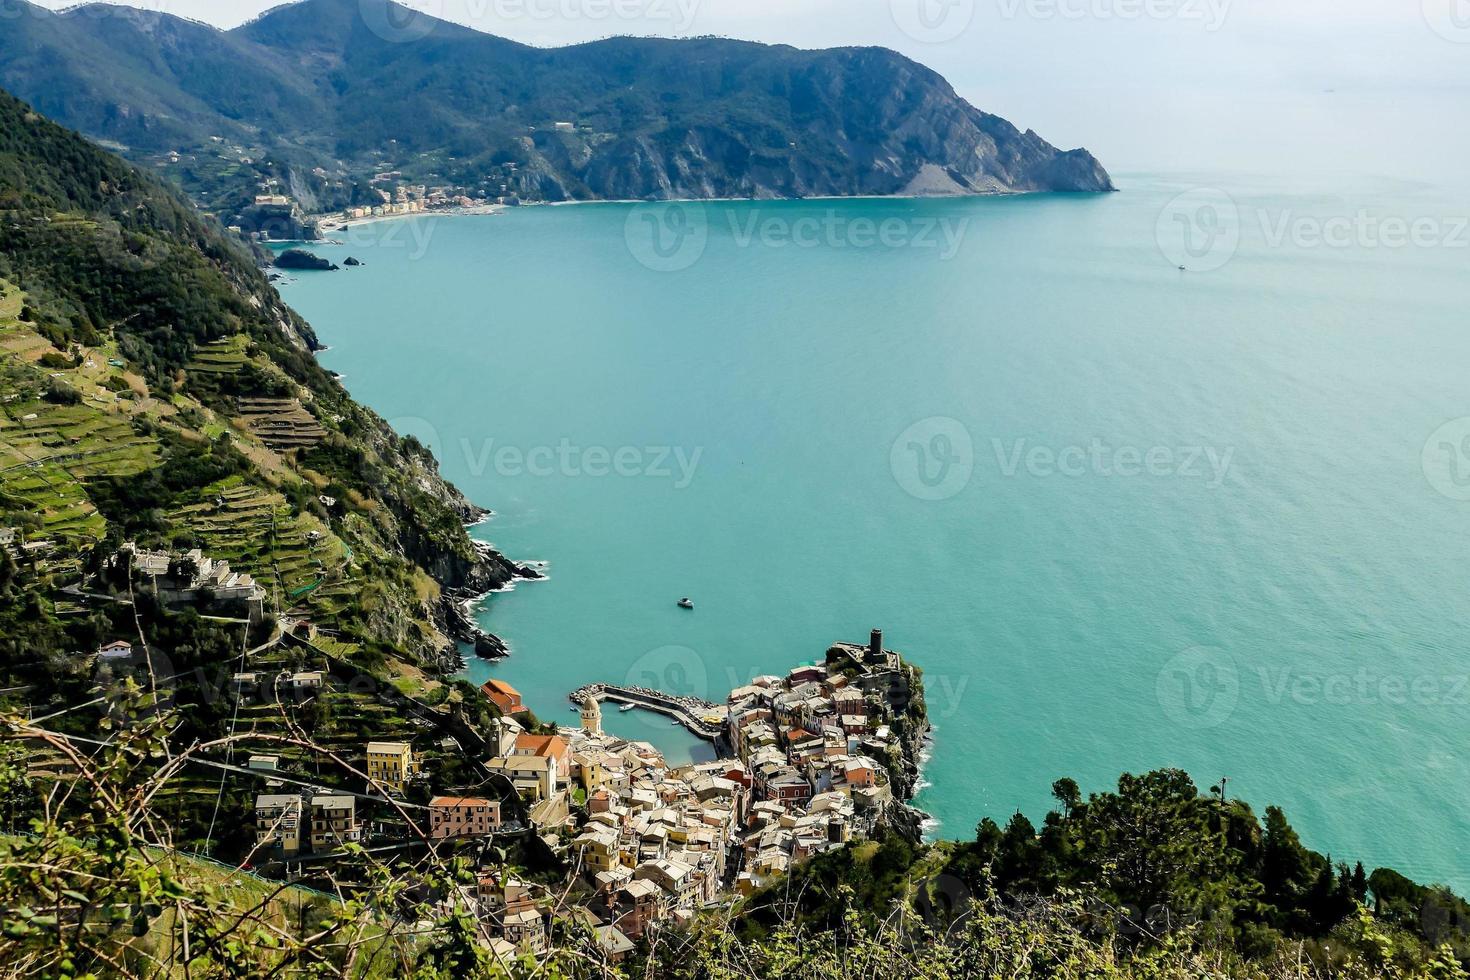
(295, 258)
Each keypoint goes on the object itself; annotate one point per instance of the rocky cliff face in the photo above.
(850, 122)
(429, 520)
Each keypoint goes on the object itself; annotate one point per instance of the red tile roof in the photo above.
(542, 745)
(458, 801)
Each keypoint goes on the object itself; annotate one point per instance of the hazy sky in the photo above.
(1358, 87)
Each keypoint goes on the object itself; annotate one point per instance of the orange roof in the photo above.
(503, 688)
(458, 801)
(542, 745)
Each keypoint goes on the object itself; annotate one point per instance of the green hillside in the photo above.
(150, 368)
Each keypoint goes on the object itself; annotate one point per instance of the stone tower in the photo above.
(592, 716)
(875, 648)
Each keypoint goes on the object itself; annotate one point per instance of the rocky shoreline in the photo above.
(491, 572)
(910, 724)
(905, 818)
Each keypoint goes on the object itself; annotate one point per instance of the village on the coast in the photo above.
(809, 761)
(806, 762)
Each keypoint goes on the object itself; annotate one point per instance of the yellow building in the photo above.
(390, 765)
(333, 822)
(599, 849)
(278, 824)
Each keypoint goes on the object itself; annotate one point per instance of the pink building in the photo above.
(463, 816)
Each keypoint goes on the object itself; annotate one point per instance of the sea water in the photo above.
(1124, 515)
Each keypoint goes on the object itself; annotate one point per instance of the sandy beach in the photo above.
(326, 225)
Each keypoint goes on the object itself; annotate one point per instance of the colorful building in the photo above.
(390, 765)
(463, 816)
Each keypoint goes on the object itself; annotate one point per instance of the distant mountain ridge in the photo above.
(333, 90)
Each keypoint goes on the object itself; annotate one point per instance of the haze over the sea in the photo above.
(1124, 516)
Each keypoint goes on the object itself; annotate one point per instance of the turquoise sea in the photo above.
(1125, 516)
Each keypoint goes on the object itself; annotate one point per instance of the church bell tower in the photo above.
(592, 716)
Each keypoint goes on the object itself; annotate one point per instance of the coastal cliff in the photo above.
(854, 121)
(898, 686)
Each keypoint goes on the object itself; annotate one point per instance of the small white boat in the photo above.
(686, 603)
(628, 707)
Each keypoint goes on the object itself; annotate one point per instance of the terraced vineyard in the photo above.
(281, 423)
(47, 451)
(222, 357)
(297, 558)
(26, 345)
(87, 443)
(336, 648)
